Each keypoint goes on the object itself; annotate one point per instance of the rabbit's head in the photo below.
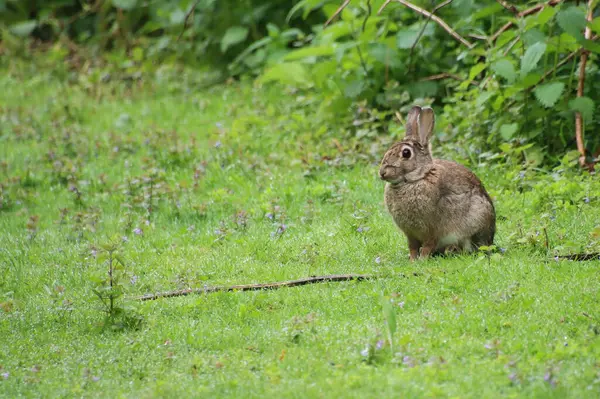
(410, 159)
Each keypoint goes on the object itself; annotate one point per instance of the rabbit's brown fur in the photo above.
(439, 205)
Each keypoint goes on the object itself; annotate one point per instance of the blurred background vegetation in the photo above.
(507, 79)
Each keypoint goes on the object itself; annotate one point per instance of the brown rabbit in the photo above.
(440, 205)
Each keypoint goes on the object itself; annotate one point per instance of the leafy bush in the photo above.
(503, 77)
(502, 88)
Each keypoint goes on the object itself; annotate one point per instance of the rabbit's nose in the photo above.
(382, 173)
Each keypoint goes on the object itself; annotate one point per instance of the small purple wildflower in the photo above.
(379, 344)
(269, 216)
(95, 378)
(556, 258)
(218, 144)
(513, 377)
(488, 346)
(191, 228)
(94, 252)
(147, 223)
(586, 200)
(401, 305)
(5, 375)
(219, 125)
(133, 280)
(362, 229)
(138, 231)
(378, 260)
(408, 361)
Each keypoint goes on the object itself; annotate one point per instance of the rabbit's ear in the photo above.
(412, 123)
(426, 124)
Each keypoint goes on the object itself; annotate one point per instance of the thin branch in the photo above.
(581, 85)
(337, 12)
(412, 48)
(435, 18)
(510, 46)
(187, 17)
(446, 75)
(529, 11)
(508, 6)
(259, 287)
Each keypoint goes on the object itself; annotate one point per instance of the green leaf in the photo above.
(591, 45)
(595, 25)
(546, 15)
(354, 88)
(507, 131)
(572, 20)
(23, 29)
(177, 17)
(306, 52)
(233, 36)
(532, 57)
(583, 105)
(548, 94)
(505, 69)
(287, 73)
(125, 4)
(476, 70)
(406, 38)
(385, 55)
(532, 36)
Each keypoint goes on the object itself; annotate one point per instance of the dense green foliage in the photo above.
(166, 188)
(514, 91)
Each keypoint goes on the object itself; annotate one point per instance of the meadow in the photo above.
(172, 185)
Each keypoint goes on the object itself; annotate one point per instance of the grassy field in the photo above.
(238, 184)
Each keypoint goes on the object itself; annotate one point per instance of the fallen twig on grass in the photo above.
(579, 257)
(259, 287)
(435, 18)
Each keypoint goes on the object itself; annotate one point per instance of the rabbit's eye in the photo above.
(406, 153)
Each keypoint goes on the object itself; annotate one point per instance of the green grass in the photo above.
(274, 198)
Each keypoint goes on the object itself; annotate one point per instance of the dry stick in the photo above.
(435, 18)
(337, 12)
(259, 287)
(580, 87)
(522, 14)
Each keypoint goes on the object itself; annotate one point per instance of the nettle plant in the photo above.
(505, 75)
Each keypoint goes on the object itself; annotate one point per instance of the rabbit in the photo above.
(441, 206)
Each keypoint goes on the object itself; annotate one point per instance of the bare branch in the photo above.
(529, 11)
(337, 12)
(508, 6)
(435, 18)
(579, 127)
